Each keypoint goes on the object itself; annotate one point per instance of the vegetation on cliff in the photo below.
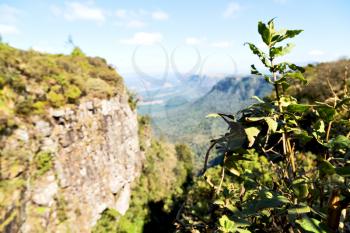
(32, 82)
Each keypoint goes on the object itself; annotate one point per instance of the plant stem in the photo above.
(274, 74)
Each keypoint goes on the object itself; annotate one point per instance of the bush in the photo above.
(107, 223)
(77, 52)
(283, 165)
(39, 107)
(24, 107)
(42, 162)
(98, 88)
(55, 99)
(72, 93)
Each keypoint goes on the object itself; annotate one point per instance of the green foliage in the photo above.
(132, 100)
(72, 93)
(107, 222)
(42, 162)
(55, 99)
(99, 87)
(32, 82)
(77, 52)
(61, 208)
(267, 179)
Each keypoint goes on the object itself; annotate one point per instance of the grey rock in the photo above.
(57, 112)
(43, 127)
(44, 191)
(122, 204)
(22, 135)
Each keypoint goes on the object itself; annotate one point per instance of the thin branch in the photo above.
(207, 156)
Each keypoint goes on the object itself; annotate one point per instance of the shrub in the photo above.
(25, 106)
(98, 88)
(42, 162)
(55, 99)
(269, 181)
(39, 107)
(77, 52)
(72, 93)
(132, 100)
(107, 222)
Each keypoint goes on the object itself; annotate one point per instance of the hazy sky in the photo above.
(186, 36)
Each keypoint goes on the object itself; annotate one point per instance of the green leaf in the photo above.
(281, 50)
(262, 56)
(344, 101)
(234, 171)
(254, 71)
(275, 201)
(292, 33)
(285, 34)
(311, 225)
(340, 142)
(272, 124)
(298, 108)
(299, 210)
(212, 115)
(296, 75)
(264, 31)
(300, 188)
(343, 171)
(326, 112)
(252, 133)
(240, 230)
(226, 225)
(258, 99)
(303, 136)
(326, 167)
(319, 127)
(295, 67)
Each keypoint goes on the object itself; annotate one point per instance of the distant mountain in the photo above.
(174, 93)
(187, 122)
(231, 94)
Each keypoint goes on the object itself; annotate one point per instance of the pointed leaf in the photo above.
(264, 32)
(311, 225)
(252, 133)
(299, 210)
(343, 171)
(262, 56)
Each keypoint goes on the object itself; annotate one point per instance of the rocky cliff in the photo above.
(63, 166)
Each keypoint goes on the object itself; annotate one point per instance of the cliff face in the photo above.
(94, 151)
(62, 167)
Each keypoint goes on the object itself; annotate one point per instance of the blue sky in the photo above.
(156, 36)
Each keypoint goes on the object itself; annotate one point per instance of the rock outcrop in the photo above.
(61, 171)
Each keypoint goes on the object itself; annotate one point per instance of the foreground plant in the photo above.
(284, 164)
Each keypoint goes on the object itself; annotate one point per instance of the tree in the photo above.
(284, 164)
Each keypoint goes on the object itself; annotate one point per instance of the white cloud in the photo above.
(231, 10)
(8, 14)
(160, 15)
(193, 41)
(221, 44)
(79, 11)
(121, 13)
(8, 30)
(135, 24)
(316, 53)
(143, 38)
